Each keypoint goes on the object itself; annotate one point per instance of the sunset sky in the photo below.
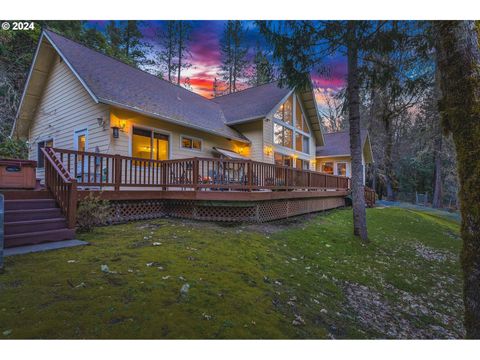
(206, 58)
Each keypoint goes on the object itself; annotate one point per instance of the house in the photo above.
(98, 126)
(334, 156)
(77, 98)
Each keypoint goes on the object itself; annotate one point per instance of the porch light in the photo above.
(120, 125)
(268, 150)
(116, 132)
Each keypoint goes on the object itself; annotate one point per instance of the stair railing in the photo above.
(62, 185)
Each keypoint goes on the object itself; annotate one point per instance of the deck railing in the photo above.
(62, 186)
(111, 172)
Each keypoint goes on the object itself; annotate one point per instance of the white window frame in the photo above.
(294, 129)
(192, 138)
(160, 131)
(336, 167)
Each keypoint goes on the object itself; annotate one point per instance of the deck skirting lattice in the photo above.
(253, 211)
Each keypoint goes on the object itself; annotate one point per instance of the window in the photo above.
(342, 169)
(284, 160)
(282, 135)
(327, 167)
(285, 112)
(287, 128)
(191, 143)
(148, 144)
(40, 156)
(302, 164)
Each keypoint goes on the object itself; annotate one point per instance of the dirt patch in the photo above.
(399, 320)
(430, 254)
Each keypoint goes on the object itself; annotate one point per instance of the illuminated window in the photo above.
(191, 143)
(40, 156)
(148, 144)
(327, 167)
(342, 169)
(285, 112)
(282, 135)
(281, 159)
(287, 127)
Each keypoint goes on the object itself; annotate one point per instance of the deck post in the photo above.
(195, 173)
(249, 175)
(72, 205)
(118, 168)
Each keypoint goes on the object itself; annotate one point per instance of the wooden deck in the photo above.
(179, 186)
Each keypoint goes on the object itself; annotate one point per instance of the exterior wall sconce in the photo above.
(121, 124)
(268, 150)
(116, 132)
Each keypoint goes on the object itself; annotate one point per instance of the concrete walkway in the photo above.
(20, 250)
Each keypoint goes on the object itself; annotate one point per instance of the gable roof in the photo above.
(115, 83)
(252, 103)
(338, 144)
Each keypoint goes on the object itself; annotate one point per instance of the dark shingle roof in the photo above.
(116, 83)
(338, 143)
(252, 103)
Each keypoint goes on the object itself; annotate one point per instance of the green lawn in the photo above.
(301, 278)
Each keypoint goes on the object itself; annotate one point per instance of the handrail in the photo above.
(61, 184)
(109, 171)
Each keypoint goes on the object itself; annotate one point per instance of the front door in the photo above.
(80, 144)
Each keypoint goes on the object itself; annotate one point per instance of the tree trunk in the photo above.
(437, 151)
(458, 61)
(437, 188)
(180, 50)
(353, 93)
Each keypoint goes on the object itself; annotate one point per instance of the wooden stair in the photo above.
(34, 220)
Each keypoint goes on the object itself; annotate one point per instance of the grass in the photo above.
(306, 277)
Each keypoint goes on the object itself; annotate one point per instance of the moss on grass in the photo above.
(245, 282)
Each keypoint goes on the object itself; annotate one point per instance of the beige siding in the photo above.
(65, 107)
(253, 131)
(122, 145)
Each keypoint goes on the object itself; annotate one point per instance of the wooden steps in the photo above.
(35, 220)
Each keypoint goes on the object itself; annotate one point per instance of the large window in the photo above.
(285, 112)
(148, 144)
(327, 167)
(40, 156)
(291, 131)
(281, 159)
(283, 135)
(302, 164)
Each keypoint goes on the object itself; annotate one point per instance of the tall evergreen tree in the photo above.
(166, 56)
(301, 46)
(183, 29)
(262, 70)
(234, 54)
(459, 66)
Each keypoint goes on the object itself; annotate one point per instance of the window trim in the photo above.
(192, 138)
(39, 152)
(293, 128)
(160, 131)
(346, 167)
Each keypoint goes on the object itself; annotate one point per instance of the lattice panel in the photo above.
(226, 213)
(122, 211)
(260, 211)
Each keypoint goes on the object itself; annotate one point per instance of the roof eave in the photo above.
(173, 121)
(32, 65)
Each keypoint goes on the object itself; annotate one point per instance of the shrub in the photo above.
(92, 211)
(13, 148)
